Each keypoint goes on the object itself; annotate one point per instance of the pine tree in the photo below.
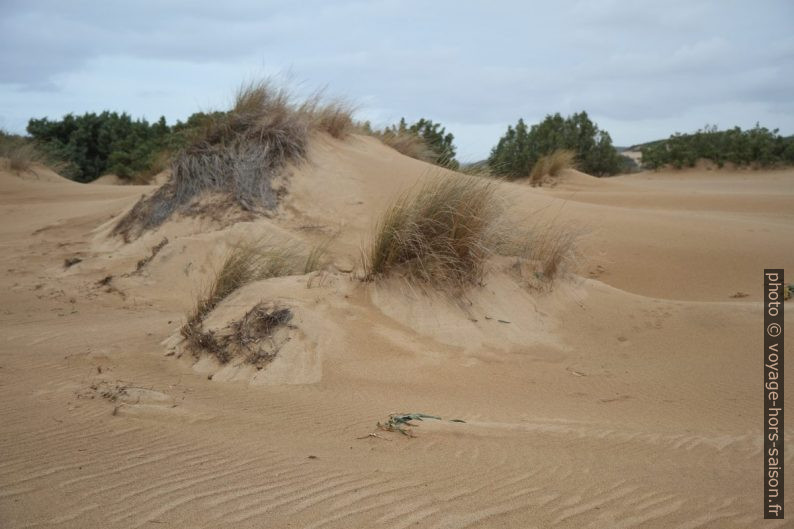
(519, 149)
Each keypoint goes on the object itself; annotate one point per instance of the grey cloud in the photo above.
(477, 64)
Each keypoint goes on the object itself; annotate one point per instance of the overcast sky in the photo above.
(642, 70)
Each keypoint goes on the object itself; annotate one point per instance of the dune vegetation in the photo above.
(21, 153)
(423, 140)
(445, 232)
(108, 142)
(543, 253)
(245, 263)
(442, 234)
(758, 146)
(521, 147)
(408, 144)
(239, 153)
(550, 165)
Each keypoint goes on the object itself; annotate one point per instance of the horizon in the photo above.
(642, 72)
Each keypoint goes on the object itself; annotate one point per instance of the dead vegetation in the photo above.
(155, 250)
(245, 263)
(254, 333)
(239, 154)
(71, 261)
(254, 337)
(550, 165)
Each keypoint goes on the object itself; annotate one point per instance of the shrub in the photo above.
(441, 235)
(102, 143)
(757, 146)
(520, 148)
(551, 165)
(135, 149)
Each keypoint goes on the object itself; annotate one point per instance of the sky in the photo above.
(642, 70)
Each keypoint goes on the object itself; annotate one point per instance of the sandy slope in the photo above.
(628, 396)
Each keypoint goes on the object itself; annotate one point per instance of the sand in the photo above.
(626, 396)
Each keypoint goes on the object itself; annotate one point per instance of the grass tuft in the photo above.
(244, 264)
(550, 165)
(544, 253)
(442, 234)
(409, 144)
(334, 118)
(22, 153)
(317, 257)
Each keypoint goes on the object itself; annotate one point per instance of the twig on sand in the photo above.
(373, 434)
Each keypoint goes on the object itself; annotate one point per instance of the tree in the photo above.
(100, 143)
(511, 155)
(757, 146)
(519, 149)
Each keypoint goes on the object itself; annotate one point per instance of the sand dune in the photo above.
(626, 396)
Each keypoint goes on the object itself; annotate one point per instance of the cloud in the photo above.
(639, 66)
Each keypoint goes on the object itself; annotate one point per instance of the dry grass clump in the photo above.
(334, 118)
(543, 253)
(245, 263)
(442, 234)
(254, 336)
(482, 170)
(239, 153)
(551, 165)
(317, 257)
(21, 153)
(408, 144)
(248, 333)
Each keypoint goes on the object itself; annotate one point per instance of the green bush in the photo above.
(103, 143)
(757, 146)
(520, 148)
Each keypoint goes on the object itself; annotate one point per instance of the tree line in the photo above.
(96, 144)
(757, 146)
